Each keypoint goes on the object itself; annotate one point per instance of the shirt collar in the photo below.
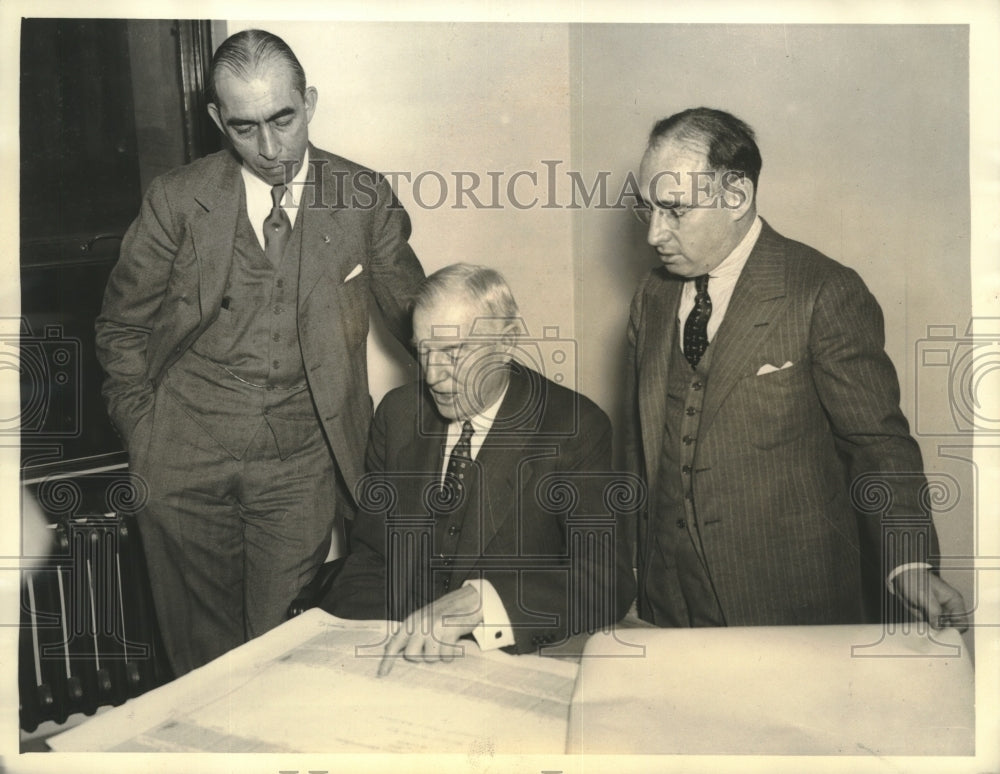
(483, 421)
(257, 187)
(731, 267)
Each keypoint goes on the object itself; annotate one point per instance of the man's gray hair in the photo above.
(484, 285)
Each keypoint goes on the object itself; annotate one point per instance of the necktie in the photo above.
(277, 227)
(696, 326)
(460, 458)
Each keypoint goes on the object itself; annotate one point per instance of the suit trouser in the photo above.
(229, 542)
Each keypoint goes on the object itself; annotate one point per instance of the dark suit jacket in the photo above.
(541, 477)
(167, 288)
(785, 461)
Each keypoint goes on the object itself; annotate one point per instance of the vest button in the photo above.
(688, 440)
(681, 524)
(696, 386)
(686, 469)
(690, 411)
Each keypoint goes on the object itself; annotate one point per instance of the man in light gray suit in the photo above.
(763, 411)
(233, 335)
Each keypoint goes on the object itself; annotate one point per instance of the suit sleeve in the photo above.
(360, 589)
(634, 458)
(859, 390)
(132, 300)
(396, 271)
(584, 593)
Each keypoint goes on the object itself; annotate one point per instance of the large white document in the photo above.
(806, 690)
(311, 686)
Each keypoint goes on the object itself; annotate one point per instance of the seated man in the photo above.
(484, 508)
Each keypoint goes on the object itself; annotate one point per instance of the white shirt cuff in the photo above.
(495, 631)
(903, 568)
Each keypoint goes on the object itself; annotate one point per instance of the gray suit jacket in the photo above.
(167, 288)
(785, 462)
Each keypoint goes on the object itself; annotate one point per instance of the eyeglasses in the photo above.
(644, 213)
(449, 354)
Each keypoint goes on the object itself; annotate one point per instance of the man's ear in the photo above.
(310, 98)
(213, 111)
(737, 195)
(508, 337)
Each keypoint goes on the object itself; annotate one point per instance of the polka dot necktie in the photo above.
(461, 456)
(696, 326)
(277, 227)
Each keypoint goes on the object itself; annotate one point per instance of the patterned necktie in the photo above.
(277, 227)
(696, 326)
(461, 456)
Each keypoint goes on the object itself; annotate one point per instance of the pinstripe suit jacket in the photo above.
(785, 461)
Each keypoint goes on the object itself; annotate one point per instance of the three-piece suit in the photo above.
(771, 464)
(240, 387)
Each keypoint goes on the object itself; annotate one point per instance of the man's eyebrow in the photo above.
(250, 122)
(668, 204)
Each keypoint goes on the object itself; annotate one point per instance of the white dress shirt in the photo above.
(721, 282)
(495, 631)
(258, 196)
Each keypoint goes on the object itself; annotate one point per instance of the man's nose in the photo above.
(267, 144)
(659, 230)
(437, 371)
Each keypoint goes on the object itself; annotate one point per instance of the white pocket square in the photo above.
(767, 368)
(354, 273)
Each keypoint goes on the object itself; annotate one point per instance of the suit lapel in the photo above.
(495, 496)
(654, 352)
(757, 298)
(214, 233)
(420, 457)
(326, 238)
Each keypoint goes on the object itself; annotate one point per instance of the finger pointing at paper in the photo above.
(430, 634)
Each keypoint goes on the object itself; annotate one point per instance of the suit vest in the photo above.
(422, 549)
(675, 499)
(246, 368)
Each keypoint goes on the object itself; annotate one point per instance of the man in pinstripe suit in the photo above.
(763, 410)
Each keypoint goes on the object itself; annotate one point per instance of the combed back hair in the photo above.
(485, 286)
(244, 53)
(731, 143)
